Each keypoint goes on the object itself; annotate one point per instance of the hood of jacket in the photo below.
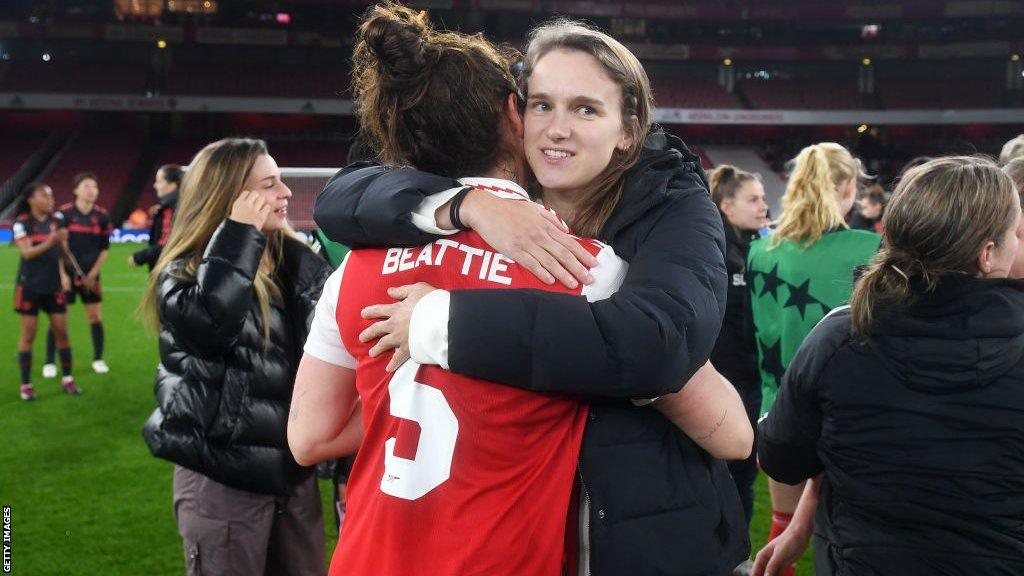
(665, 165)
(965, 334)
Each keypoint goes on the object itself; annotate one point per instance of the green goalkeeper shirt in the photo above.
(793, 287)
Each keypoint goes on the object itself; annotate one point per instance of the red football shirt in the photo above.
(455, 475)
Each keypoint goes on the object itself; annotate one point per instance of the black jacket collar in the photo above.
(965, 334)
(652, 180)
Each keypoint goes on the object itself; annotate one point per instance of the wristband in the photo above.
(453, 208)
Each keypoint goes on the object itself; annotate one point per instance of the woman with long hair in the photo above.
(586, 104)
(803, 271)
(907, 402)
(232, 296)
(41, 236)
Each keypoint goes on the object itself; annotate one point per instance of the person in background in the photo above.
(166, 183)
(740, 198)
(89, 230)
(907, 407)
(867, 214)
(1014, 148)
(1015, 170)
(42, 281)
(232, 296)
(803, 271)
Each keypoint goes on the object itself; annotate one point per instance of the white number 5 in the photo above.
(425, 405)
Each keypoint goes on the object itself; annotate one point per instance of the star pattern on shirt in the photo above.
(771, 359)
(800, 297)
(799, 294)
(771, 282)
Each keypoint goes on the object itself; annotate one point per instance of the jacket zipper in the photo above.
(584, 524)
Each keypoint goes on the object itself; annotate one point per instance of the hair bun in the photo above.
(721, 174)
(398, 39)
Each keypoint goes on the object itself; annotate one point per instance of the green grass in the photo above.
(86, 495)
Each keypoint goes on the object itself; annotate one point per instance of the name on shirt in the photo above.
(476, 262)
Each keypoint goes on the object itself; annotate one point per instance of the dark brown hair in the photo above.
(940, 216)
(430, 99)
(83, 176)
(172, 173)
(726, 180)
(26, 193)
(623, 67)
(875, 193)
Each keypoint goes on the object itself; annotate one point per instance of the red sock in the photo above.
(780, 520)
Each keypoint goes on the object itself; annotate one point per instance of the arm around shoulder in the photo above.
(369, 205)
(647, 339)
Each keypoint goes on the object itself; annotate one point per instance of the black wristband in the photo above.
(453, 208)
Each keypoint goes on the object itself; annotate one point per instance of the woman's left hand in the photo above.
(392, 330)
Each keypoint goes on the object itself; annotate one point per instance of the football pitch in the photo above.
(85, 495)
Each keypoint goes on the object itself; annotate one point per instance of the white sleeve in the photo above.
(423, 216)
(428, 329)
(18, 229)
(324, 340)
(608, 275)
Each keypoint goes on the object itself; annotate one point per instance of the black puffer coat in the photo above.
(919, 432)
(222, 397)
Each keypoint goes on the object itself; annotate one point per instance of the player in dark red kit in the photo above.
(39, 235)
(89, 231)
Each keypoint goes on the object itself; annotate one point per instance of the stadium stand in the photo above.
(838, 93)
(75, 76)
(776, 94)
(263, 80)
(110, 156)
(686, 92)
(16, 149)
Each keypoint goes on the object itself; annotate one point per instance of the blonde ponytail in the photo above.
(811, 206)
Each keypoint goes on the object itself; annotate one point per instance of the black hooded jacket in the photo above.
(919, 432)
(657, 503)
(222, 397)
(735, 353)
(159, 231)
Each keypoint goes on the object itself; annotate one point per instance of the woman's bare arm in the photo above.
(709, 410)
(323, 404)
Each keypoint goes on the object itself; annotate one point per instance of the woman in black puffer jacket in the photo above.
(233, 294)
(909, 404)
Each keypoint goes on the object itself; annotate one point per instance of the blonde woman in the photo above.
(803, 271)
(232, 295)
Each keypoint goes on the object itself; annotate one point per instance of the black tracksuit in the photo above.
(735, 353)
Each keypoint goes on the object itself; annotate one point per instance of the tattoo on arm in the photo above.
(294, 411)
(716, 427)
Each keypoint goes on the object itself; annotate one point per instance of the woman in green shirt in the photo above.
(801, 272)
